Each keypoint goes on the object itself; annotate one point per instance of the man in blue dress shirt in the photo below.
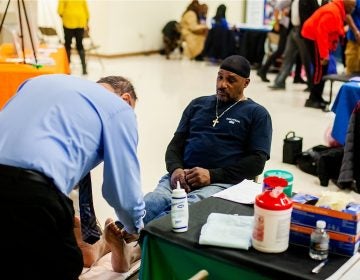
(53, 132)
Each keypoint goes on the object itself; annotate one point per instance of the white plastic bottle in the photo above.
(179, 209)
(319, 243)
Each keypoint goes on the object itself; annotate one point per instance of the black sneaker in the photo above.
(299, 80)
(315, 104)
(199, 58)
(262, 75)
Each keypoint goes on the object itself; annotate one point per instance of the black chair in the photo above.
(336, 78)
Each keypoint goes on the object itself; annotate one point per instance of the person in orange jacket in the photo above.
(324, 28)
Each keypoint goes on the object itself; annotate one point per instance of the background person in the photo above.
(75, 18)
(220, 41)
(193, 33)
(68, 126)
(352, 50)
(324, 28)
(281, 26)
(295, 45)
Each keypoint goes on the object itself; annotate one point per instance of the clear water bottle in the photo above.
(319, 243)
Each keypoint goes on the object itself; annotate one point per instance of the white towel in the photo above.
(224, 230)
(102, 270)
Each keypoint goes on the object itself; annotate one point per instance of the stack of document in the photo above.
(244, 192)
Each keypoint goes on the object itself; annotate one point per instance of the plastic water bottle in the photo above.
(179, 209)
(319, 243)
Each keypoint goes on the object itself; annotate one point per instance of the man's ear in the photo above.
(247, 82)
(126, 97)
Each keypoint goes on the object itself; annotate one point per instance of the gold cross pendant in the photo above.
(215, 121)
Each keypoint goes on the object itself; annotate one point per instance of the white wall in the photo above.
(12, 23)
(132, 26)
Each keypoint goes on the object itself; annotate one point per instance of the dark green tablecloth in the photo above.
(169, 255)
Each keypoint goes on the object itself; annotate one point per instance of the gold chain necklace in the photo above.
(217, 117)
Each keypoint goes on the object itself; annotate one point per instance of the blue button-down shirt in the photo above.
(64, 126)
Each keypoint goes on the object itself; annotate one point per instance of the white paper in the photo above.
(349, 270)
(244, 192)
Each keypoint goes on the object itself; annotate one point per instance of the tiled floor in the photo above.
(165, 87)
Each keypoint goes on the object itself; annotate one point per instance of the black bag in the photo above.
(307, 161)
(292, 147)
(322, 161)
(329, 165)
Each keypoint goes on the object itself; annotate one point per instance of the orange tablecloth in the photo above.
(13, 74)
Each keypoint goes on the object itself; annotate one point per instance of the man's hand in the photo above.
(179, 175)
(197, 177)
(118, 227)
(130, 237)
(276, 26)
(357, 36)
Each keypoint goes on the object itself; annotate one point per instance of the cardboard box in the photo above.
(343, 227)
(336, 221)
(342, 244)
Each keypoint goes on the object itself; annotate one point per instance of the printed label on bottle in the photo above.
(283, 232)
(319, 246)
(258, 232)
(179, 214)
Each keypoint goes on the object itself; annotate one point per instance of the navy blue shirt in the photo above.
(242, 130)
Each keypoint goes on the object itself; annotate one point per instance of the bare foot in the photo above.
(123, 254)
(91, 252)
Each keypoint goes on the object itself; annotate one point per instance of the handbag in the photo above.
(292, 147)
(322, 161)
(308, 160)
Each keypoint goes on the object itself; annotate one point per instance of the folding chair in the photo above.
(46, 33)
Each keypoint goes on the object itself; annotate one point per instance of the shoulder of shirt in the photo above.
(202, 99)
(256, 106)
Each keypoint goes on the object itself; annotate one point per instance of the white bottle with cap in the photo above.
(179, 209)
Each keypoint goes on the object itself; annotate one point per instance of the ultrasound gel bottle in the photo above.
(179, 209)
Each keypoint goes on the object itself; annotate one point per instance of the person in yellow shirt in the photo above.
(75, 17)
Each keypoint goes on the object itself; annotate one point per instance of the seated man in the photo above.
(221, 140)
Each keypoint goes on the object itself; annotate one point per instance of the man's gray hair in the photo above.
(120, 85)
